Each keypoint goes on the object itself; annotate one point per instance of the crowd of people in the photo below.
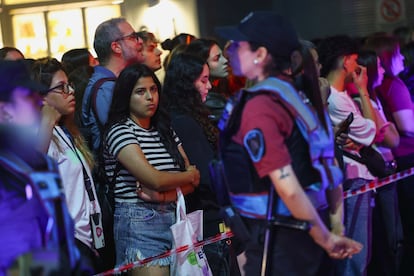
(270, 107)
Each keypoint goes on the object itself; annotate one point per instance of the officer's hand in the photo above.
(342, 247)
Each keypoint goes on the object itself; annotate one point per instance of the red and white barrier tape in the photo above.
(374, 184)
(377, 183)
(218, 237)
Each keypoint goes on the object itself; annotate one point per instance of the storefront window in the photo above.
(95, 16)
(30, 34)
(15, 2)
(65, 34)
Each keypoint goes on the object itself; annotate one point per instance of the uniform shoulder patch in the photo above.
(254, 144)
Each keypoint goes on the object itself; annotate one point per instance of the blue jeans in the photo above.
(358, 225)
(142, 230)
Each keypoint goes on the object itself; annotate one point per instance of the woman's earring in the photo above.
(255, 61)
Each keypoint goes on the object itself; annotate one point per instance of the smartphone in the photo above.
(344, 125)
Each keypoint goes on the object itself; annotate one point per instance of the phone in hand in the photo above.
(343, 126)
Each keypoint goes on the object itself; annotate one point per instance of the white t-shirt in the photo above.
(385, 152)
(362, 130)
(71, 171)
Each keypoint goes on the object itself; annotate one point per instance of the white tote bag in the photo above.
(186, 231)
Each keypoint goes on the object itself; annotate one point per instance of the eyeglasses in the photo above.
(64, 88)
(133, 36)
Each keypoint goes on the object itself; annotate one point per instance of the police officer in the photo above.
(273, 133)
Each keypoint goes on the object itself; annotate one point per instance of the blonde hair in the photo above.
(79, 141)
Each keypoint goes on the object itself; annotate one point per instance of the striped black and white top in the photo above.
(123, 134)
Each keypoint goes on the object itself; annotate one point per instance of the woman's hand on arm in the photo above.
(162, 197)
(296, 200)
(151, 195)
(133, 159)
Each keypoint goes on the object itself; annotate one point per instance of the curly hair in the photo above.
(183, 96)
(201, 47)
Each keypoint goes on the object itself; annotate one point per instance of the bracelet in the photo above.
(139, 188)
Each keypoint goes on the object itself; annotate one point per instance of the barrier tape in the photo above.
(374, 184)
(214, 239)
(377, 183)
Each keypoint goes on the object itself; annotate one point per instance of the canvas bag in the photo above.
(186, 231)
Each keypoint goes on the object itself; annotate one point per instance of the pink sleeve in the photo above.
(397, 97)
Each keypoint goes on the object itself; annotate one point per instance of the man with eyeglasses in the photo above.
(116, 45)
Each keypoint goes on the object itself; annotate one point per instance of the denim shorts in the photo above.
(142, 230)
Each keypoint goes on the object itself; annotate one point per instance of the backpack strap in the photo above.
(353, 156)
(91, 103)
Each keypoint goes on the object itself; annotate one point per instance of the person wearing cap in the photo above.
(24, 212)
(265, 49)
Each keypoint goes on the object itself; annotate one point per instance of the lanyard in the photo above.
(86, 179)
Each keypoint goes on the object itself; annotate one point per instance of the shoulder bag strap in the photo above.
(352, 156)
